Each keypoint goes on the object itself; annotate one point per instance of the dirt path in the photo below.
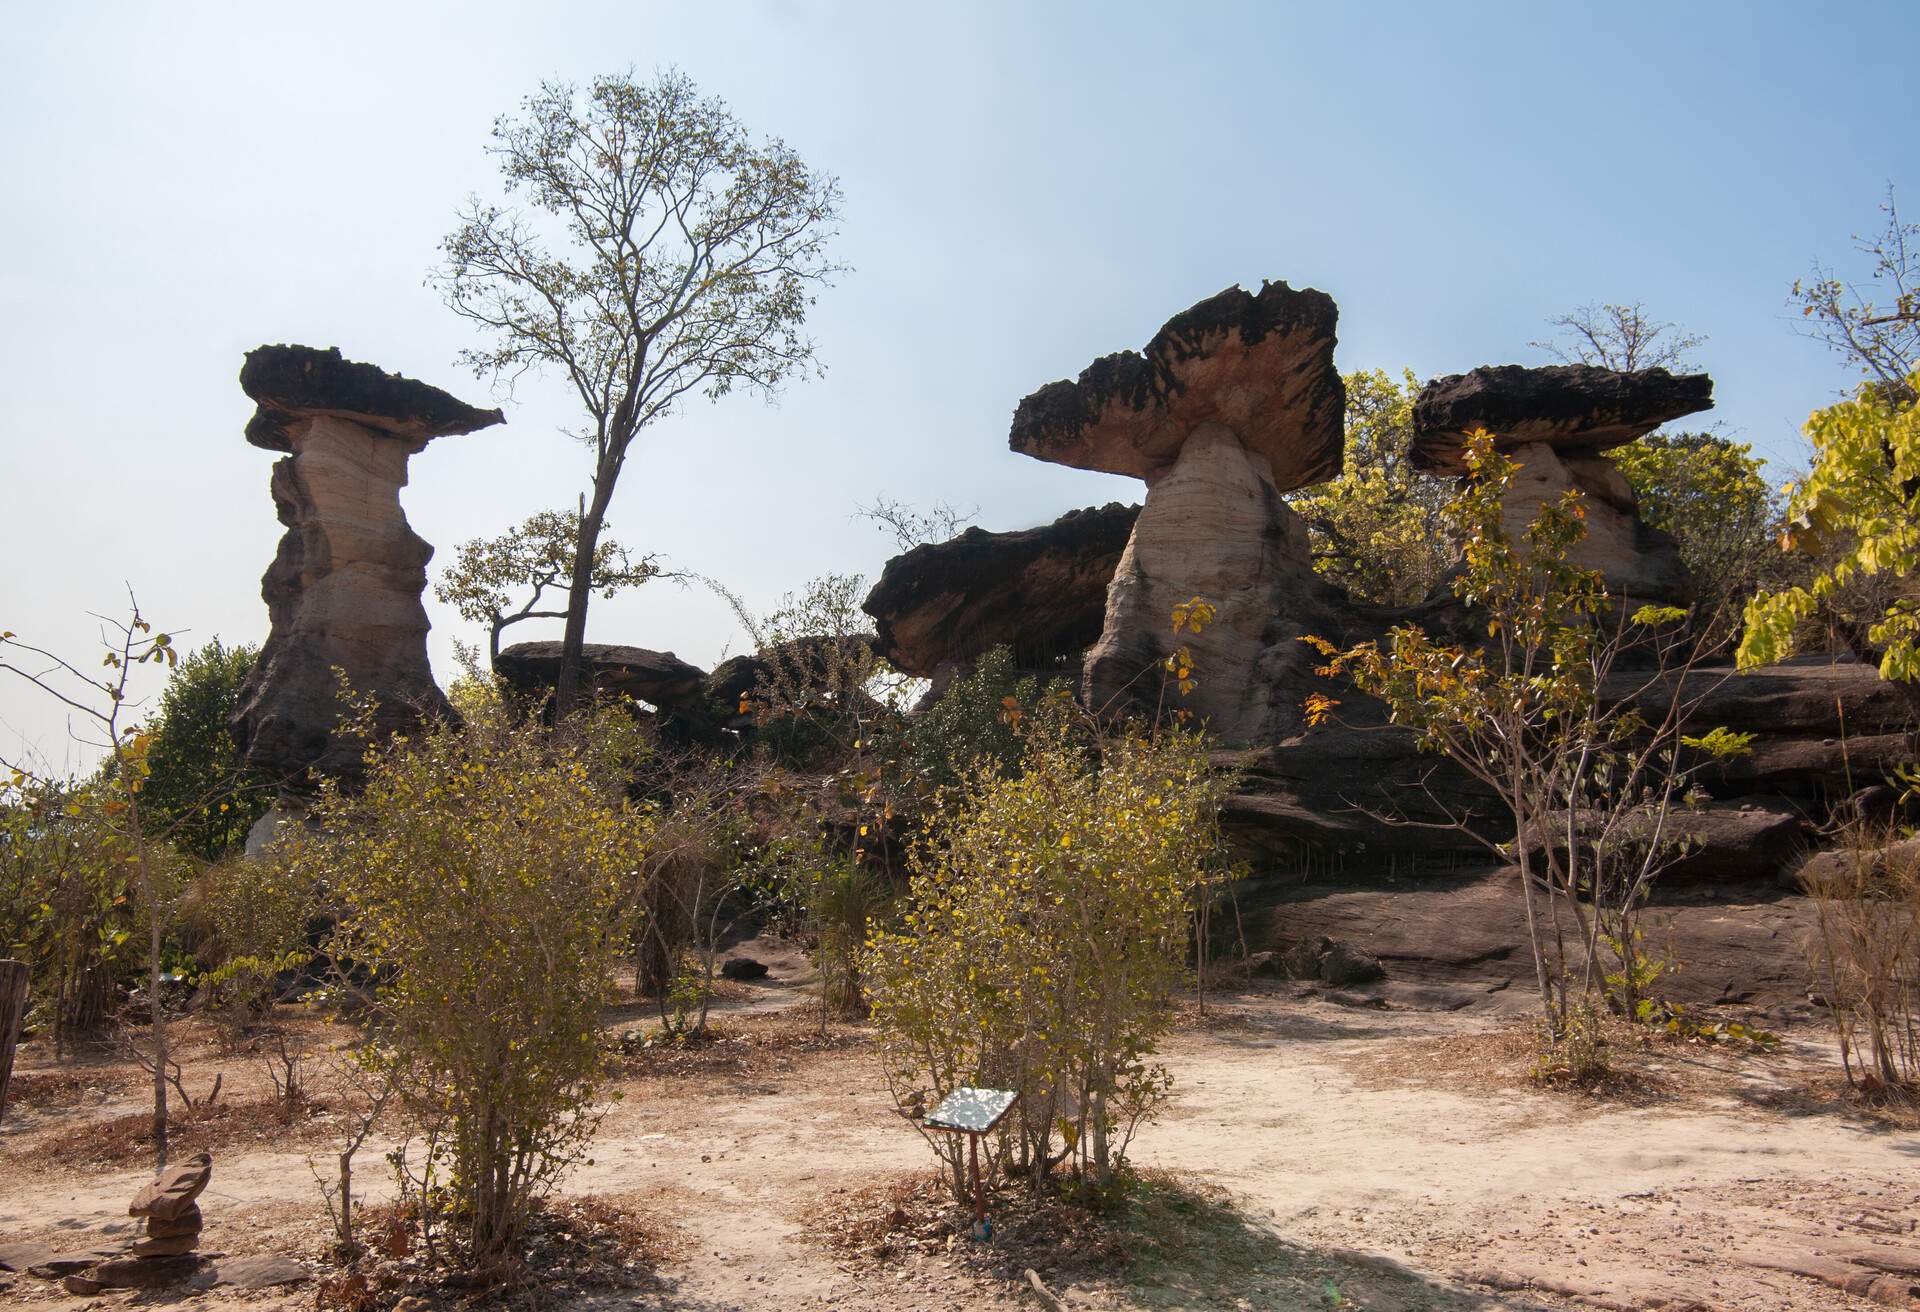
(1374, 1153)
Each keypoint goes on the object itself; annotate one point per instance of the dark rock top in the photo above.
(1570, 405)
(738, 676)
(1260, 364)
(291, 382)
(656, 677)
(1042, 591)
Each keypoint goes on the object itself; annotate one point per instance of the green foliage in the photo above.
(198, 794)
(1859, 510)
(659, 251)
(259, 911)
(480, 874)
(1588, 786)
(1711, 495)
(66, 899)
(976, 719)
(1379, 530)
(1043, 935)
(534, 557)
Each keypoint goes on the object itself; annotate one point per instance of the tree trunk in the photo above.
(13, 1012)
(157, 1013)
(566, 693)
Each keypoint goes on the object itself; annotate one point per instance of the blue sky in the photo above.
(1027, 186)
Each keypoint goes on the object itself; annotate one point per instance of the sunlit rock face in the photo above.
(1214, 526)
(1234, 402)
(344, 590)
(1556, 423)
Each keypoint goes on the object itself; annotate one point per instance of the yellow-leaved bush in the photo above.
(1858, 511)
(479, 876)
(1043, 933)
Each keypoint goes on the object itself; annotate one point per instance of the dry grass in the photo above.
(741, 1047)
(897, 1218)
(127, 1140)
(1644, 1066)
(573, 1247)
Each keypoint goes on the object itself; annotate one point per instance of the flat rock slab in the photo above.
(143, 1272)
(261, 1272)
(23, 1256)
(57, 1264)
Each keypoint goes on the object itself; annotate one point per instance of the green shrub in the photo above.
(1043, 935)
(479, 876)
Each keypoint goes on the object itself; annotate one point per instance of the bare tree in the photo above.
(662, 252)
(912, 527)
(1875, 324)
(1619, 337)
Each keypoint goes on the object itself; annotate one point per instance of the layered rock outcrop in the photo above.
(1234, 402)
(1041, 591)
(1555, 423)
(344, 590)
(674, 689)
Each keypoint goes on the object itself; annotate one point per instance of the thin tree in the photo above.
(533, 557)
(1873, 323)
(660, 251)
(1620, 337)
(104, 702)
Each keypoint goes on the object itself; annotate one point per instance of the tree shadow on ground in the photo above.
(1193, 1248)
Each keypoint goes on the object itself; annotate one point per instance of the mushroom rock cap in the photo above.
(1567, 405)
(1042, 591)
(1261, 364)
(296, 382)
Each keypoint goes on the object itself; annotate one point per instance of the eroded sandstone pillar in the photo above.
(344, 590)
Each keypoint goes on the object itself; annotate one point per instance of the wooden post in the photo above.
(979, 1189)
(13, 1013)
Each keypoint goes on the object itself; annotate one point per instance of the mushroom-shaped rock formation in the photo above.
(1041, 591)
(675, 689)
(1260, 365)
(1233, 403)
(344, 588)
(1555, 423)
(1573, 406)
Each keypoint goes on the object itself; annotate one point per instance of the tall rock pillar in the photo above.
(344, 590)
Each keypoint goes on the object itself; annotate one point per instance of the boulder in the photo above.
(802, 658)
(1258, 364)
(673, 688)
(658, 678)
(1041, 591)
(344, 590)
(173, 1191)
(1575, 406)
(1330, 961)
(188, 1222)
(1233, 403)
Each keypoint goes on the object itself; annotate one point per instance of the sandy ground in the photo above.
(1354, 1156)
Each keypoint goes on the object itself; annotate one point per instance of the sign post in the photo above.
(974, 1112)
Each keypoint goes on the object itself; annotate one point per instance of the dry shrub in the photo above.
(220, 1127)
(1865, 952)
